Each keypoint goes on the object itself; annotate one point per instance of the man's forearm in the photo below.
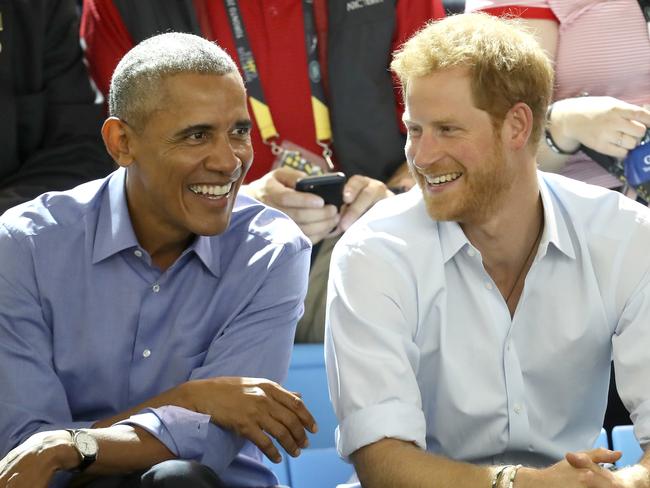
(390, 462)
(122, 449)
(174, 396)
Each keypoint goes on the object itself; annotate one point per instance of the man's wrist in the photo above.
(528, 478)
(61, 451)
(183, 396)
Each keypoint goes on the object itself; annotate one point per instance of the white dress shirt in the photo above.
(420, 345)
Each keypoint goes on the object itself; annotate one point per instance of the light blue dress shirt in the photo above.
(420, 345)
(90, 328)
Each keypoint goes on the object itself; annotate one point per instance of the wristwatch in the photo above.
(86, 446)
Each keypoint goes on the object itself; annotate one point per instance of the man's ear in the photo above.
(117, 139)
(518, 126)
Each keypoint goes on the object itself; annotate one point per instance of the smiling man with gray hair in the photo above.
(140, 313)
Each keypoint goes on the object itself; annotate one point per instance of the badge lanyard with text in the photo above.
(287, 154)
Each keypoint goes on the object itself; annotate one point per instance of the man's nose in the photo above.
(223, 158)
(427, 151)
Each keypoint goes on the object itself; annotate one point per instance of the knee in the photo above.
(180, 474)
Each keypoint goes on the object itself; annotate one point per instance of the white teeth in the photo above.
(211, 190)
(436, 180)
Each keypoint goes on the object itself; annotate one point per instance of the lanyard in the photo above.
(260, 108)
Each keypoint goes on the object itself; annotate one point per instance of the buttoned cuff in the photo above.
(389, 420)
(182, 431)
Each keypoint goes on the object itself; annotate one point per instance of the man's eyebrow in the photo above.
(436, 122)
(243, 124)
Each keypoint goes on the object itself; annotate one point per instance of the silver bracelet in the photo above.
(513, 473)
(498, 473)
(549, 138)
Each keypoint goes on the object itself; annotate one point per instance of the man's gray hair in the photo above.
(134, 86)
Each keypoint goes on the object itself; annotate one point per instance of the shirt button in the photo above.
(146, 353)
(138, 253)
(156, 288)
(488, 285)
(471, 252)
(517, 409)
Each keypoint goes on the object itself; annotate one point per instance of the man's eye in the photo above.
(446, 129)
(197, 136)
(413, 131)
(242, 131)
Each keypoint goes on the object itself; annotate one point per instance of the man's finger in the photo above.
(296, 405)
(264, 443)
(291, 198)
(579, 460)
(288, 176)
(290, 420)
(353, 187)
(283, 434)
(303, 216)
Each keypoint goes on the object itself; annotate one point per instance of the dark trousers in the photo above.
(169, 474)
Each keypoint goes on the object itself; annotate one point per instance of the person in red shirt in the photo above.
(334, 51)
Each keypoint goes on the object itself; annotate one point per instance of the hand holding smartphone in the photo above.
(329, 187)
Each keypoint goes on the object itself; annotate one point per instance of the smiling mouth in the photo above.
(211, 191)
(441, 179)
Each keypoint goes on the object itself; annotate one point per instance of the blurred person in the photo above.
(148, 317)
(318, 82)
(50, 122)
(601, 81)
(469, 357)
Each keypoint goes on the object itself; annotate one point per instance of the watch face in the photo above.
(86, 444)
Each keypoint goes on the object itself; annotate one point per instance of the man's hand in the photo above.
(359, 194)
(254, 408)
(277, 189)
(577, 470)
(33, 463)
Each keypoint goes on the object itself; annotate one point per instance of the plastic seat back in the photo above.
(623, 439)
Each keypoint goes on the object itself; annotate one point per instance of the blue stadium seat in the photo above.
(319, 468)
(601, 441)
(307, 376)
(623, 439)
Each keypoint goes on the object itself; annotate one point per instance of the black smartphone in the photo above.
(329, 187)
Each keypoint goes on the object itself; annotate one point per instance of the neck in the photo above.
(508, 243)
(506, 236)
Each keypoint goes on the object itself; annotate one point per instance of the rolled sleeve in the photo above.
(371, 355)
(182, 431)
(394, 420)
(630, 347)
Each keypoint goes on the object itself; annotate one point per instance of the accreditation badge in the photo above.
(297, 157)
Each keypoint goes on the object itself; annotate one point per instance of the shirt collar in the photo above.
(207, 249)
(114, 230)
(556, 226)
(453, 239)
